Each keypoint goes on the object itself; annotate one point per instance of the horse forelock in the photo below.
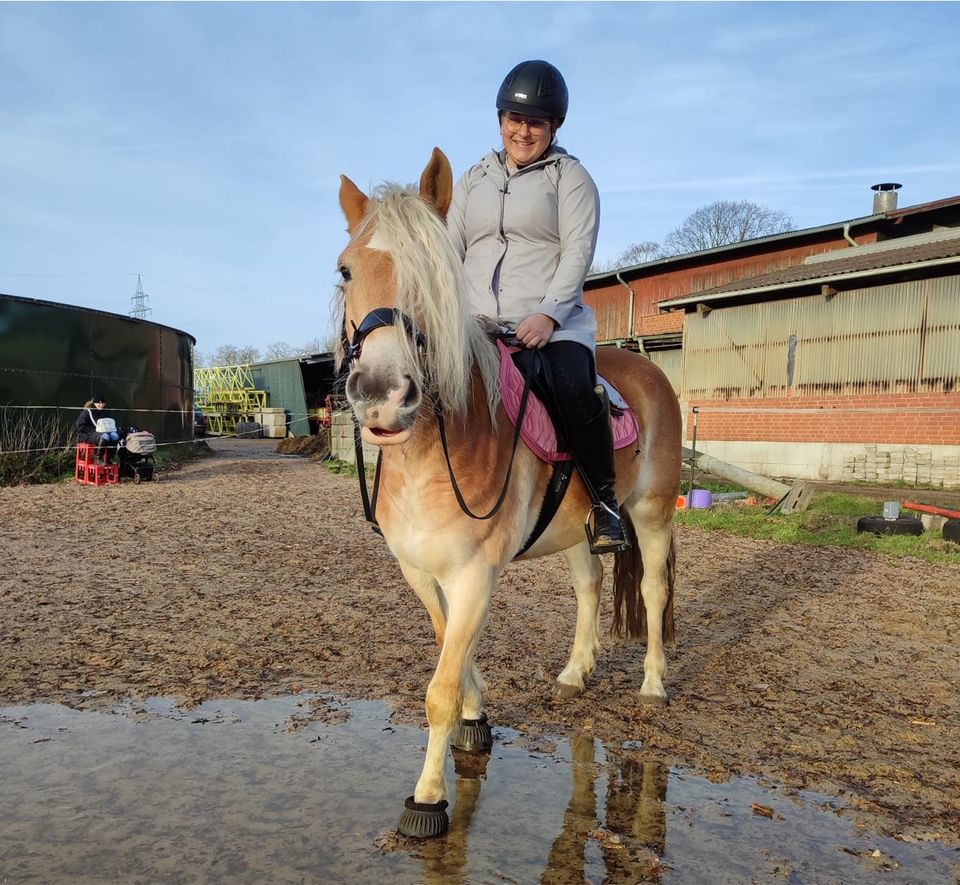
(430, 289)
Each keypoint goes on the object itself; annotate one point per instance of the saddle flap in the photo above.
(537, 430)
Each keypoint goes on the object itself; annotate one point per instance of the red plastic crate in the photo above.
(89, 472)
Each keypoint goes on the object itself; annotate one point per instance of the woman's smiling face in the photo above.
(525, 139)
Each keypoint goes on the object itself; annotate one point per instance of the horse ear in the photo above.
(353, 201)
(436, 183)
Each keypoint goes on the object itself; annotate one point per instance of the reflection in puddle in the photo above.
(298, 790)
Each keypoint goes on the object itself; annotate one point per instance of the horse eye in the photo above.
(344, 272)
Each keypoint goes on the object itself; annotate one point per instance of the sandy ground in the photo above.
(252, 573)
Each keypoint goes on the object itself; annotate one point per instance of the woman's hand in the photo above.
(536, 330)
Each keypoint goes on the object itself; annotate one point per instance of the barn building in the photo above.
(300, 386)
(826, 353)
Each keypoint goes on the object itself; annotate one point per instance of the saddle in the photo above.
(537, 429)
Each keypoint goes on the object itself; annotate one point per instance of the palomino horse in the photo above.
(417, 358)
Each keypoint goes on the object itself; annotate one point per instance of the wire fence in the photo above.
(33, 429)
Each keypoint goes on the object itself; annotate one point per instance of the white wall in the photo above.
(883, 463)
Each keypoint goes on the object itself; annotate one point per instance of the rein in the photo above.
(391, 316)
(513, 449)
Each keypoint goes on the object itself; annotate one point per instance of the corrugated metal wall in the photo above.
(671, 362)
(899, 338)
(283, 381)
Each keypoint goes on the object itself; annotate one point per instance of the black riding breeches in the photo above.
(565, 381)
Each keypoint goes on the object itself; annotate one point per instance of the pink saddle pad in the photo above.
(537, 430)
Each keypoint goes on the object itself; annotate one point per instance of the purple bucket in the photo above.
(700, 499)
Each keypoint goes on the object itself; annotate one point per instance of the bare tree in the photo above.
(232, 355)
(280, 350)
(725, 222)
(314, 345)
(638, 253)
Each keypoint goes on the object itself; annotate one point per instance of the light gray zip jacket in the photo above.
(527, 240)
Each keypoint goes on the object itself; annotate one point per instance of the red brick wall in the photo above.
(661, 323)
(901, 419)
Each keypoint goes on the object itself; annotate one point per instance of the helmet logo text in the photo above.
(519, 94)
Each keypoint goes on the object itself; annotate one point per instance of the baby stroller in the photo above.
(135, 455)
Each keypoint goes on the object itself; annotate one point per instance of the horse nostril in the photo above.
(355, 385)
(412, 396)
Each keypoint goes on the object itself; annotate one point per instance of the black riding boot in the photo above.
(592, 447)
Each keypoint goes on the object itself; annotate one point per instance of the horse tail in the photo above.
(669, 633)
(629, 612)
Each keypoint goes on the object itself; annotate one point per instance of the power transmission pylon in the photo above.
(138, 302)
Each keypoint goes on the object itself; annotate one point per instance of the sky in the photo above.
(200, 144)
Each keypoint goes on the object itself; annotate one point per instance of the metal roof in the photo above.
(892, 215)
(732, 247)
(846, 264)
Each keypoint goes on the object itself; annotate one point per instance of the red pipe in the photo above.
(929, 508)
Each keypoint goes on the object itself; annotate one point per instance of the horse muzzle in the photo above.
(385, 408)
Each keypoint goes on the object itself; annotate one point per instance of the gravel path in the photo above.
(252, 573)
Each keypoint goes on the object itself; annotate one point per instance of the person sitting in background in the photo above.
(95, 426)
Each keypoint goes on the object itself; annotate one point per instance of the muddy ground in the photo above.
(252, 573)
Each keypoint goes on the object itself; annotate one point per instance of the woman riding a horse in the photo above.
(456, 499)
(525, 220)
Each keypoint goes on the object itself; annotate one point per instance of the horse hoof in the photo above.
(567, 692)
(654, 700)
(473, 736)
(423, 820)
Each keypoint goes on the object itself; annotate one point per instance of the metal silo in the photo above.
(53, 356)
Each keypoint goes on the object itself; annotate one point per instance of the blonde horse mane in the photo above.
(430, 289)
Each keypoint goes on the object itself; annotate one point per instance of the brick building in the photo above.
(831, 352)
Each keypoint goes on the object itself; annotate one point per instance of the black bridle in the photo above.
(378, 318)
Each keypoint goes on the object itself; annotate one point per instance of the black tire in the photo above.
(951, 530)
(903, 525)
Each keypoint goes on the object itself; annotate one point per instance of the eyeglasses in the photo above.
(516, 121)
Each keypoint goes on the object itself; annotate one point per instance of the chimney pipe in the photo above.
(885, 197)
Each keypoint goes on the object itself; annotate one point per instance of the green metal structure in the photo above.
(301, 386)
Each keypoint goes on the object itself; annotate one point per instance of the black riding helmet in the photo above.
(535, 88)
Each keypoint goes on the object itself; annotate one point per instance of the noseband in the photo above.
(377, 319)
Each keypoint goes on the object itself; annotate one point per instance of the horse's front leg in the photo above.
(467, 598)
(429, 593)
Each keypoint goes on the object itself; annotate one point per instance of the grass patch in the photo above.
(342, 468)
(34, 448)
(830, 520)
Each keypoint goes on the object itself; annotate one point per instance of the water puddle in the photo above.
(306, 790)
